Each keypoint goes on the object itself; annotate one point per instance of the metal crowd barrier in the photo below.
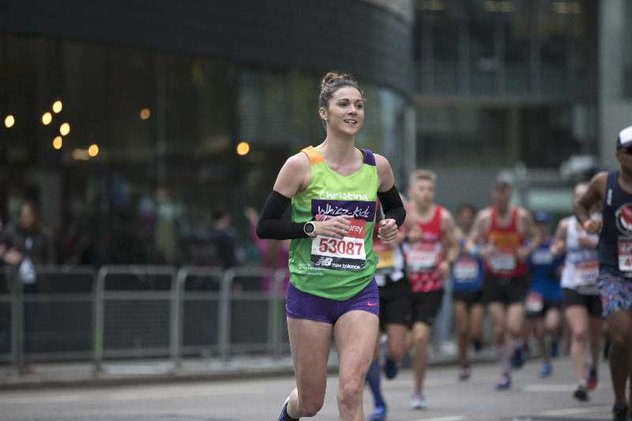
(134, 312)
(6, 317)
(210, 312)
(253, 315)
(49, 320)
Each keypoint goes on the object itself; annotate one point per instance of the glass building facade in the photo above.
(126, 133)
(503, 83)
(156, 107)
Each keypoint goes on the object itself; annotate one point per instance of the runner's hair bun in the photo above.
(331, 82)
(332, 77)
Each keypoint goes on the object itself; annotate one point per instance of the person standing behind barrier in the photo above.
(431, 247)
(8, 256)
(614, 190)
(273, 254)
(222, 239)
(545, 295)
(27, 238)
(395, 313)
(332, 189)
(467, 292)
(582, 303)
(504, 236)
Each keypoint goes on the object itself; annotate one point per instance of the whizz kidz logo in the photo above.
(355, 208)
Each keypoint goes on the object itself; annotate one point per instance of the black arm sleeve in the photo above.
(271, 224)
(392, 205)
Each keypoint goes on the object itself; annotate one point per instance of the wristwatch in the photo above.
(309, 229)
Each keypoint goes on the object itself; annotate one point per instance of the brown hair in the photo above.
(331, 82)
(422, 175)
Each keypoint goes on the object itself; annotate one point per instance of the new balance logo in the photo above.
(324, 261)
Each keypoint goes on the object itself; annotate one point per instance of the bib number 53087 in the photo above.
(340, 247)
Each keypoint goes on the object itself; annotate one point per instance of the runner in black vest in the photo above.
(614, 190)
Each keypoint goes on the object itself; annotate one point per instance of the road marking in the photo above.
(130, 394)
(568, 387)
(449, 418)
(575, 411)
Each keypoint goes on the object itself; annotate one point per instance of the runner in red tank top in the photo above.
(505, 236)
(505, 241)
(425, 256)
(430, 249)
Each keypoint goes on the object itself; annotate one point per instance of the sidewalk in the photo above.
(115, 373)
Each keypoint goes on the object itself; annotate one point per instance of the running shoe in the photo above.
(418, 401)
(517, 358)
(581, 394)
(592, 380)
(378, 414)
(620, 412)
(465, 372)
(391, 368)
(546, 370)
(283, 410)
(504, 382)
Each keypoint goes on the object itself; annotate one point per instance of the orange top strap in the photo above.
(313, 154)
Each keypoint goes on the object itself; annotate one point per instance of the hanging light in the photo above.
(47, 118)
(93, 150)
(64, 129)
(9, 121)
(58, 106)
(243, 148)
(145, 113)
(58, 143)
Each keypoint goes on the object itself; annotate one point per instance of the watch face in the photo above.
(309, 228)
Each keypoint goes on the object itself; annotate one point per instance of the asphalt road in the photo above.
(260, 399)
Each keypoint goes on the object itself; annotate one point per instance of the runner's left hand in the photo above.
(387, 230)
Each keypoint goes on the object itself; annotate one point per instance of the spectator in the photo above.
(221, 238)
(273, 254)
(30, 248)
(27, 238)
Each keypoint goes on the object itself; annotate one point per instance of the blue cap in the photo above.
(541, 217)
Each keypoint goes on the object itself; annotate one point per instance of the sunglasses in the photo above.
(626, 150)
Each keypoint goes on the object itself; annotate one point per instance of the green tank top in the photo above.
(328, 267)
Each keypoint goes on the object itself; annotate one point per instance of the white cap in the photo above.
(625, 137)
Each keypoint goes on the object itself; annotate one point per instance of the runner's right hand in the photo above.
(336, 226)
(592, 226)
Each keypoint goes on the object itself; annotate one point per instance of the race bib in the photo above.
(386, 258)
(345, 253)
(624, 246)
(535, 302)
(465, 270)
(587, 272)
(502, 261)
(423, 257)
(542, 257)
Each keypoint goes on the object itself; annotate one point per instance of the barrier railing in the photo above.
(134, 312)
(49, 320)
(197, 289)
(136, 292)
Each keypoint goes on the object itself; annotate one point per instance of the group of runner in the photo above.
(505, 259)
(352, 272)
(501, 258)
